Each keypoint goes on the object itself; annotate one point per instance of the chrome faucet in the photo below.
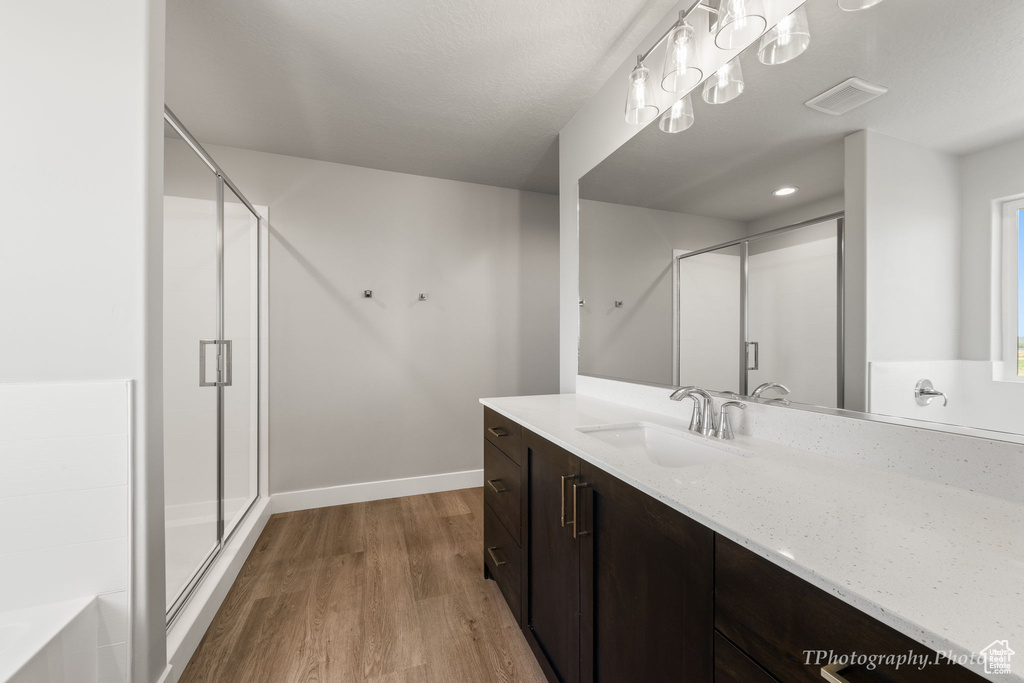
(769, 386)
(702, 420)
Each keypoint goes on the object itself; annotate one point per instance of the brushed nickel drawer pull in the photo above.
(565, 478)
(493, 485)
(831, 673)
(576, 533)
(494, 557)
(497, 431)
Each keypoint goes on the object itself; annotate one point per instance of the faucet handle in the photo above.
(925, 392)
(724, 430)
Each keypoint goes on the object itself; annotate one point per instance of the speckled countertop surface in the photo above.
(942, 565)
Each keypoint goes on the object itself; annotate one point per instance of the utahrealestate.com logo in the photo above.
(997, 657)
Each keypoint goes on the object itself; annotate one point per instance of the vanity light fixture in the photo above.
(726, 84)
(681, 73)
(740, 22)
(679, 117)
(857, 5)
(787, 40)
(640, 107)
(785, 191)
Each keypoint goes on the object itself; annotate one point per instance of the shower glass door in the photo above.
(191, 487)
(211, 361)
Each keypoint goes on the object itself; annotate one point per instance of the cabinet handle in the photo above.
(576, 533)
(497, 431)
(494, 557)
(491, 483)
(831, 673)
(565, 478)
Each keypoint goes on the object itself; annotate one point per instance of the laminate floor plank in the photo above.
(387, 591)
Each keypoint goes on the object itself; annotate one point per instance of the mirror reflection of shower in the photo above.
(762, 309)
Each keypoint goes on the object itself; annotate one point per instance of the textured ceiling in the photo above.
(954, 80)
(472, 90)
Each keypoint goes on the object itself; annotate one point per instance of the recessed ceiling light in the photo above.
(785, 191)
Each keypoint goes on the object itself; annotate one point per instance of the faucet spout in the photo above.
(702, 421)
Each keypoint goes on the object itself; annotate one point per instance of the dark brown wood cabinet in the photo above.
(646, 586)
(610, 585)
(775, 617)
(551, 617)
(619, 586)
(504, 502)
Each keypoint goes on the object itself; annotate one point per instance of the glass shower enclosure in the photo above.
(765, 308)
(211, 360)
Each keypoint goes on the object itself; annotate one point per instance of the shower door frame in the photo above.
(183, 597)
(744, 243)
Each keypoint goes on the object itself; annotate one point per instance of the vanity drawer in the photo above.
(732, 666)
(503, 489)
(774, 617)
(504, 433)
(502, 558)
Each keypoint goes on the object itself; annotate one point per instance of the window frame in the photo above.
(1011, 274)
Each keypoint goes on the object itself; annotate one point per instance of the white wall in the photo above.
(374, 389)
(903, 256)
(80, 266)
(626, 255)
(987, 177)
(64, 468)
(913, 251)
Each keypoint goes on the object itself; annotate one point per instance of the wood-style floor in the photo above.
(390, 590)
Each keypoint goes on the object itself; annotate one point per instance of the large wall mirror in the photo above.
(868, 259)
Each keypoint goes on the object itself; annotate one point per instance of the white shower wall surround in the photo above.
(976, 464)
(64, 502)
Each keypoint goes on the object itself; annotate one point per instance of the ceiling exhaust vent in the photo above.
(846, 96)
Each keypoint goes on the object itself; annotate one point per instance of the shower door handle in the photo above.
(226, 382)
(757, 355)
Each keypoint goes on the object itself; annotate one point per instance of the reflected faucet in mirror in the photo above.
(769, 386)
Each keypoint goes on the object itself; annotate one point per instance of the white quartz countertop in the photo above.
(941, 565)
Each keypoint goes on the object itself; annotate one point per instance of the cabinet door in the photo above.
(646, 587)
(552, 619)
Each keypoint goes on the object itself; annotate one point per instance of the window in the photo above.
(1013, 289)
(1020, 292)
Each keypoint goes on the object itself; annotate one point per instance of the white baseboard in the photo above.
(289, 501)
(166, 676)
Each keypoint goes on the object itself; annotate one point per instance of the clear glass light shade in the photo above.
(855, 5)
(678, 118)
(786, 40)
(640, 107)
(725, 85)
(740, 22)
(681, 72)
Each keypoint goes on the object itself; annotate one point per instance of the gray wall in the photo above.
(626, 254)
(383, 388)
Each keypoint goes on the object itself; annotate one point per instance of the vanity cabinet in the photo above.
(619, 586)
(610, 584)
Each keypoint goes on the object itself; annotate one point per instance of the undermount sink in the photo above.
(665, 446)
